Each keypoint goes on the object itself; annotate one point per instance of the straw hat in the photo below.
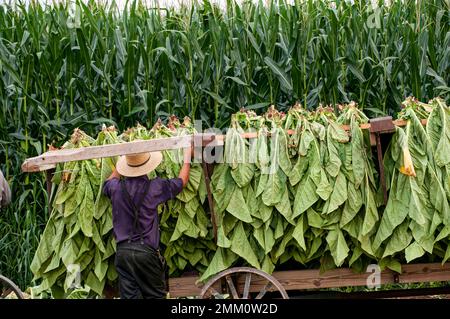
(138, 164)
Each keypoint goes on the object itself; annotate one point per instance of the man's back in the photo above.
(135, 198)
(150, 193)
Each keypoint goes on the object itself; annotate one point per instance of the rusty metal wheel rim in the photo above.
(11, 287)
(208, 289)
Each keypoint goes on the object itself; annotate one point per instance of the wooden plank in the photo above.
(42, 168)
(187, 286)
(221, 138)
(311, 279)
(373, 139)
(184, 286)
(424, 273)
(50, 158)
(344, 277)
(382, 125)
(364, 126)
(403, 122)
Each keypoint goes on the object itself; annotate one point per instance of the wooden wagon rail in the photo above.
(312, 279)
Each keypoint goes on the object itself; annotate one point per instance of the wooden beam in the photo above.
(403, 122)
(42, 168)
(187, 286)
(51, 158)
(184, 286)
(344, 277)
(310, 279)
(424, 273)
(364, 126)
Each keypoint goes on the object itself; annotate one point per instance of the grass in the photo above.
(20, 227)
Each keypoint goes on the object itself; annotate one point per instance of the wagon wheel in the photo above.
(7, 287)
(237, 282)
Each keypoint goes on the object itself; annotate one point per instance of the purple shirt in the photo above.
(159, 191)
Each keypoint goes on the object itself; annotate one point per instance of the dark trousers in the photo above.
(141, 272)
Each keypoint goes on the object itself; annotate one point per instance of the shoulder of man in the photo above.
(109, 185)
(112, 181)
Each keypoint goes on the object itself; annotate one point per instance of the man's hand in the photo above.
(188, 154)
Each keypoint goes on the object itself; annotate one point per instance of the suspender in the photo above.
(136, 208)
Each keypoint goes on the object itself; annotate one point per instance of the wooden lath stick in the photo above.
(364, 126)
(51, 158)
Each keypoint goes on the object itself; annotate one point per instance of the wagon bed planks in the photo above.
(312, 279)
(187, 286)
(344, 277)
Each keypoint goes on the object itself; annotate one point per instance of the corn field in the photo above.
(62, 68)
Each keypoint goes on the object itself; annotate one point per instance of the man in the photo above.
(135, 199)
(5, 192)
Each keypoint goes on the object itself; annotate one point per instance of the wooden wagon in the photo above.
(246, 282)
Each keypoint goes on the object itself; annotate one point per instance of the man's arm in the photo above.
(107, 183)
(184, 172)
(114, 174)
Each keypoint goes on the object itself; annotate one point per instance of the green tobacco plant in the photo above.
(307, 197)
(416, 219)
(321, 204)
(77, 247)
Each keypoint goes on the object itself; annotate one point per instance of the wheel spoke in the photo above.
(264, 290)
(248, 278)
(5, 293)
(9, 287)
(232, 287)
